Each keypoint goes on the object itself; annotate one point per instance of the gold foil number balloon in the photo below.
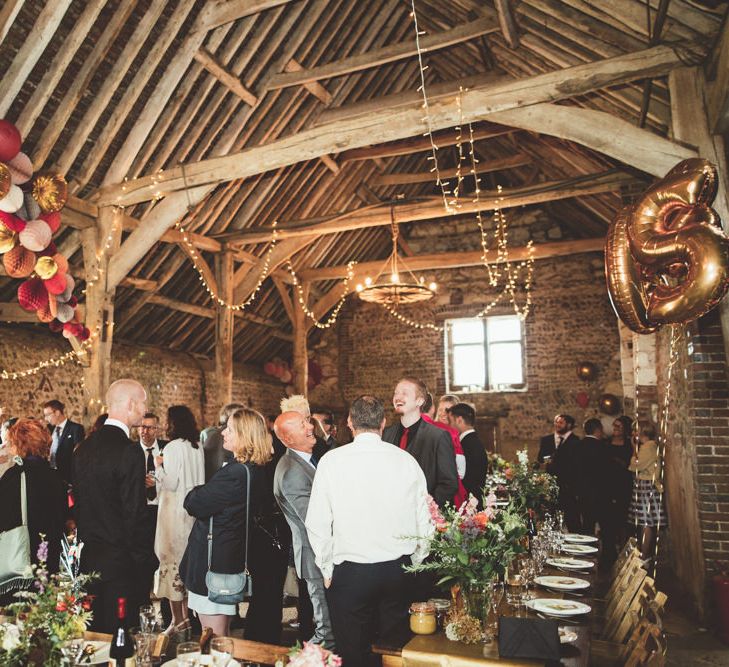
(666, 257)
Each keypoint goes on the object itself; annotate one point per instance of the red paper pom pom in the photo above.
(55, 326)
(53, 220)
(44, 314)
(49, 251)
(32, 294)
(73, 328)
(73, 302)
(12, 222)
(57, 284)
(19, 262)
(84, 335)
(9, 141)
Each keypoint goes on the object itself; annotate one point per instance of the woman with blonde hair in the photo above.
(223, 498)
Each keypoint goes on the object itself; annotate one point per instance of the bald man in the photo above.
(108, 481)
(292, 487)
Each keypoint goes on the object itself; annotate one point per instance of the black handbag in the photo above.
(230, 588)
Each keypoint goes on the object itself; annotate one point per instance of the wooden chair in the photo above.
(619, 606)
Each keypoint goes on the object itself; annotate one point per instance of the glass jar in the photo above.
(422, 618)
(442, 607)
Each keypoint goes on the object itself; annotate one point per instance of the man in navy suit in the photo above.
(65, 435)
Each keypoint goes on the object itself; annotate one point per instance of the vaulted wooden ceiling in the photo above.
(109, 89)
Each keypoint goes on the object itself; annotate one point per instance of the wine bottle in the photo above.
(121, 651)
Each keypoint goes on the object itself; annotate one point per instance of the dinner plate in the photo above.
(579, 549)
(100, 655)
(570, 563)
(567, 636)
(579, 539)
(563, 583)
(555, 607)
(202, 660)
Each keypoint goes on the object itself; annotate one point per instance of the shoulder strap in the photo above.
(210, 529)
(23, 497)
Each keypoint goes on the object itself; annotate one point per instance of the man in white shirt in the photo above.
(368, 516)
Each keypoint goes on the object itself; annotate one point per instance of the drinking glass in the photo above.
(144, 644)
(221, 650)
(496, 587)
(526, 570)
(514, 585)
(148, 620)
(188, 654)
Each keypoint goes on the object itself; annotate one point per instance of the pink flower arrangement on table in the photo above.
(311, 655)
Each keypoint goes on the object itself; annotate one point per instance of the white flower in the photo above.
(523, 457)
(451, 632)
(11, 636)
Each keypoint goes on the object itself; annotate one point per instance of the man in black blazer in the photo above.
(561, 452)
(65, 435)
(428, 444)
(462, 417)
(109, 472)
(591, 453)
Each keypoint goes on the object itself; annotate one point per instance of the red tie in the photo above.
(404, 438)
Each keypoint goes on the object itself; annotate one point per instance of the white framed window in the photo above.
(485, 354)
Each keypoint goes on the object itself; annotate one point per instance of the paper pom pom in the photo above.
(12, 201)
(30, 209)
(36, 236)
(70, 284)
(53, 220)
(50, 191)
(84, 335)
(5, 180)
(46, 268)
(73, 301)
(12, 221)
(56, 284)
(19, 262)
(73, 329)
(65, 313)
(21, 169)
(32, 294)
(55, 326)
(49, 251)
(61, 261)
(44, 315)
(8, 239)
(66, 332)
(10, 141)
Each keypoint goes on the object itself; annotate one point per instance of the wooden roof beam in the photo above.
(220, 12)
(507, 22)
(482, 167)
(430, 208)
(225, 76)
(314, 87)
(449, 260)
(718, 88)
(387, 54)
(393, 124)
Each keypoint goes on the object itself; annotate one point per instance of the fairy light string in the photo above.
(302, 301)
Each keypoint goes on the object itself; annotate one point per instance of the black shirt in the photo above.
(412, 432)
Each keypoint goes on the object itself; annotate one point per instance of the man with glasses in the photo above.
(326, 421)
(151, 448)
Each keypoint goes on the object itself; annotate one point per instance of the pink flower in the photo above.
(435, 514)
(313, 655)
(469, 507)
(490, 509)
(508, 473)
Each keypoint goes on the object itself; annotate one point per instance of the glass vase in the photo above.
(477, 601)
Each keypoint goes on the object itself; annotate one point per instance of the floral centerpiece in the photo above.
(55, 610)
(468, 550)
(310, 655)
(533, 492)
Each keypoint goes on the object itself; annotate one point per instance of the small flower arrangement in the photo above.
(469, 545)
(53, 611)
(310, 655)
(532, 491)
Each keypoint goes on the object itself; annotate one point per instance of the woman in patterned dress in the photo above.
(180, 470)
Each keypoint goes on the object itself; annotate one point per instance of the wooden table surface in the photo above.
(575, 654)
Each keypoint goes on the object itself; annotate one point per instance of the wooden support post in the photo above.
(301, 360)
(224, 324)
(99, 244)
(690, 124)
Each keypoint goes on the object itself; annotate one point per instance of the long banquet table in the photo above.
(409, 650)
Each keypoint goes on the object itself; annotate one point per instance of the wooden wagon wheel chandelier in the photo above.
(401, 285)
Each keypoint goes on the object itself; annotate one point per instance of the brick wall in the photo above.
(571, 321)
(697, 457)
(169, 378)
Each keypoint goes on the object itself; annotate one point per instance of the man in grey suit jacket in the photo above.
(292, 489)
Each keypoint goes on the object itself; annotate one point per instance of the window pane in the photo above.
(504, 328)
(468, 366)
(505, 364)
(467, 331)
